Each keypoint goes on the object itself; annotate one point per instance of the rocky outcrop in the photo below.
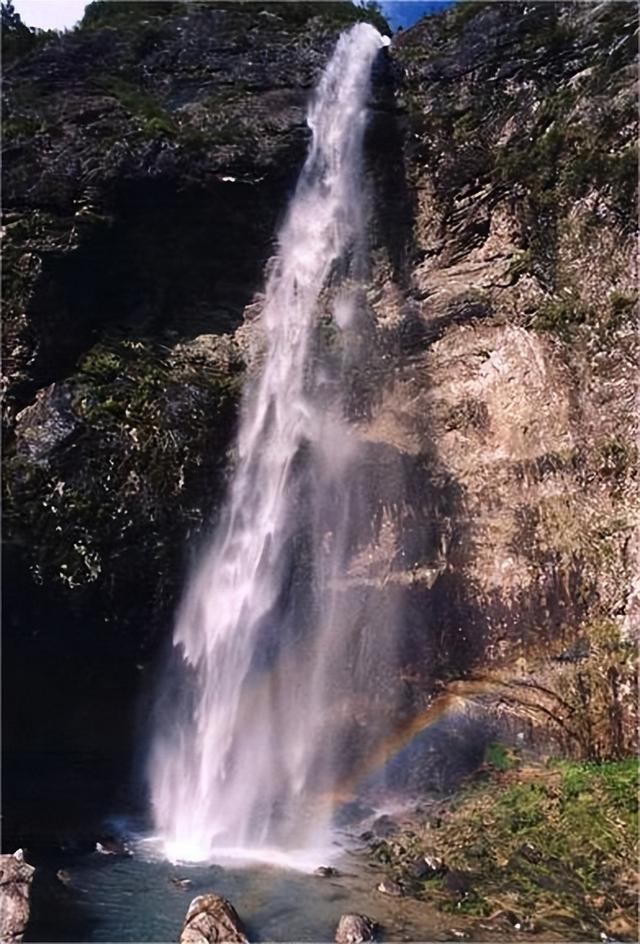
(511, 388)
(210, 919)
(15, 888)
(355, 929)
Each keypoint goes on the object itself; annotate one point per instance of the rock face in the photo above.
(141, 205)
(355, 929)
(210, 919)
(511, 391)
(15, 888)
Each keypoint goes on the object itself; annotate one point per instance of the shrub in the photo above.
(560, 315)
(107, 13)
(17, 38)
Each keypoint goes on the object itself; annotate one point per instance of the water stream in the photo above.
(276, 693)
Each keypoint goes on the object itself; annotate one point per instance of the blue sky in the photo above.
(405, 12)
(63, 14)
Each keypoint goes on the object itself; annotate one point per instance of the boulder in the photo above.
(354, 929)
(389, 887)
(425, 866)
(16, 876)
(211, 918)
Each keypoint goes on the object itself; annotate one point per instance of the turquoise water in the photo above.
(109, 898)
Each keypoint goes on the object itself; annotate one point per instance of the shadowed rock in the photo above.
(388, 887)
(354, 929)
(15, 887)
(209, 919)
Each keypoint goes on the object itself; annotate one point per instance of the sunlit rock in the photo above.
(355, 929)
(210, 919)
(16, 876)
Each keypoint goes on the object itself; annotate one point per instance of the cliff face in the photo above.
(521, 129)
(142, 196)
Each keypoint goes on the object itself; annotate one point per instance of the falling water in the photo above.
(276, 657)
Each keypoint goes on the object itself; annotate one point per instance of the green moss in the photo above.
(563, 314)
(622, 307)
(135, 476)
(523, 264)
(540, 843)
(462, 13)
(22, 126)
(500, 757)
(618, 457)
(154, 118)
(101, 364)
(471, 904)
(560, 315)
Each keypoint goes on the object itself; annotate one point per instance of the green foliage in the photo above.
(463, 12)
(127, 12)
(540, 843)
(18, 39)
(555, 35)
(338, 13)
(151, 435)
(521, 807)
(563, 314)
(22, 126)
(618, 457)
(560, 315)
(523, 264)
(499, 757)
(591, 165)
(154, 118)
(532, 163)
(622, 307)
(131, 380)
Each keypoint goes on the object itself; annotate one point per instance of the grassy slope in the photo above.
(532, 847)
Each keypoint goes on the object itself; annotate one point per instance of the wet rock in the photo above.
(426, 866)
(326, 871)
(352, 812)
(114, 847)
(389, 887)
(457, 882)
(16, 876)
(354, 929)
(63, 877)
(529, 852)
(384, 827)
(180, 882)
(47, 424)
(575, 653)
(211, 918)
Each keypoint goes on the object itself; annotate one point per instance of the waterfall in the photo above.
(275, 655)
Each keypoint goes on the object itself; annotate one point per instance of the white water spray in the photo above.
(272, 658)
